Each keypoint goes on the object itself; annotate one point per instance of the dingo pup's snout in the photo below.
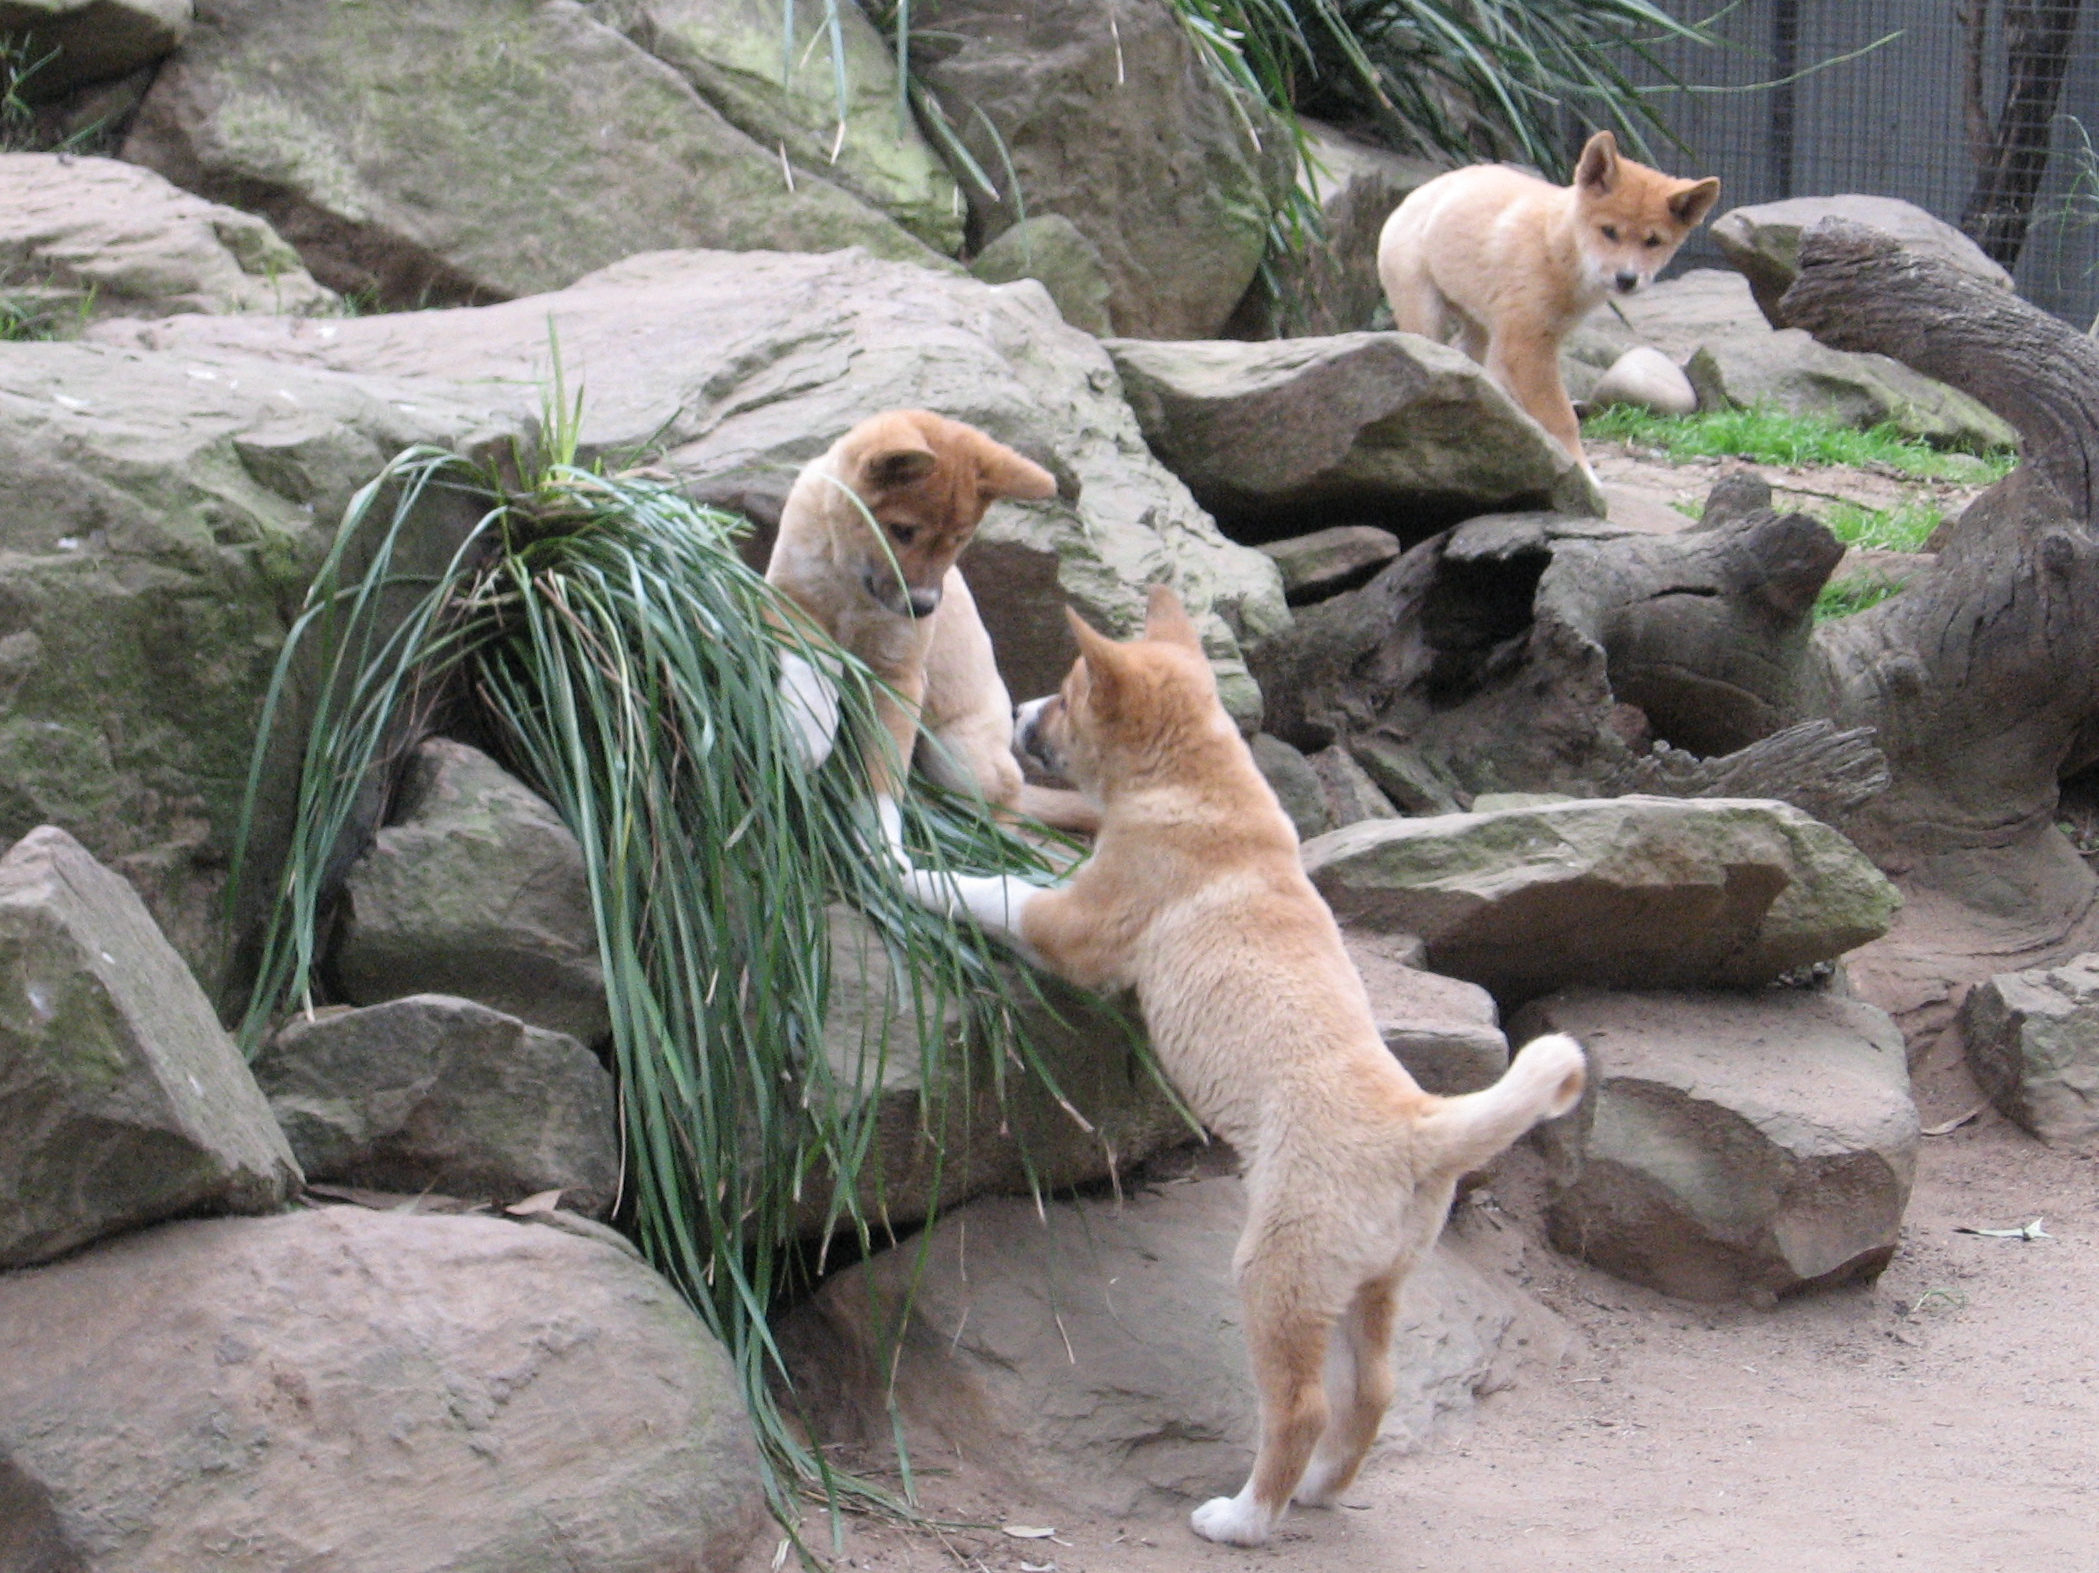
(1626, 281)
(913, 601)
(1032, 740)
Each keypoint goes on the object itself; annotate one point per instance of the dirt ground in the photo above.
(1942, 1420)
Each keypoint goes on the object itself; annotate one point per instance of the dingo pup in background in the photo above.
(867, 547)
(1510, 263)
(1195, 897)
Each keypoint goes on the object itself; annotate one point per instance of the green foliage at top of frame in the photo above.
(604, 632)
(1768, 437)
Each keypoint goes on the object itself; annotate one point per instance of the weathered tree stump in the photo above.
(1537, 653)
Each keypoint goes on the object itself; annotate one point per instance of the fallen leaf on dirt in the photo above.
(2025, 1231)
(537, 1202)
(1947, 1127)
(1026, 1531)
(1038, 1567)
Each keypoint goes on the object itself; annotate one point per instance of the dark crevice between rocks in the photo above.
(1475, 620)
(31, 1538)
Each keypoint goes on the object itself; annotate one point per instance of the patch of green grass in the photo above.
(1903, 528)
(1768, 437)
(1854, 594)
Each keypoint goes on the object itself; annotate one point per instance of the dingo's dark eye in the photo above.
(1610, 232)
(1652, 241)
(904, 534)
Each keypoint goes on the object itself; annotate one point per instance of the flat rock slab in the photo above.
(739, 369)
(122, 1100)
(1327, 562)
(1790, 372)
(476, 150)
(1731, 1146)
(1445, 1031)
(478, 889)
(1763, 241)
(1635, 892)
(346, 1391)
(1389, 429)
(431, 1093)
(1099, 1356)
(2033, 1044)
(122, 241)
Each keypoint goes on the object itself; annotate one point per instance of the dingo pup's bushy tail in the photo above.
(1545, 1081)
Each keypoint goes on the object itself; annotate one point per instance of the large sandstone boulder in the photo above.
(1731, 1146)
(1391, 429)
(1097, 1353)
(1329, 284)
(1014, 1139)
(122, 1100)
(2033, 1043)
(783, 92)
(94, 40)
(163, 517)
(1444, 1030)
(1763, 241)
(1793, 374)
(437, 1094)
(738, 369)
(116, 240)
(1104, 111)
(475, 889)
(359, 1392)
(1056, 254)
(476, 150)
(1633, 892)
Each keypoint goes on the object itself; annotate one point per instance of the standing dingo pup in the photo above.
(1195, 897)
(867, 547)
(1510, 263)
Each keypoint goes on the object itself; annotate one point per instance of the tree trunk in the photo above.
(2010, 151)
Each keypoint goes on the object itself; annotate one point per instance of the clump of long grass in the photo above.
(1771, 437)
(605, 631)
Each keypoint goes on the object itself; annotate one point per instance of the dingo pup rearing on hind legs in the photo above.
(1510, 263)
(1196, 898)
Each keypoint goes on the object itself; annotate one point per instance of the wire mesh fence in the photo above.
(1949, 104)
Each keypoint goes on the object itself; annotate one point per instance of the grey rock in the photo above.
(1763, 241)
(1106, 112)
(117, 240)
(752, 365)
(95, 40)
(1679, 314)
(1638, 892)
(477, 150)
(1295, 783)
(731, 51)
(1443, 1030)
(1097, 1354)
(1330, 284)
(1789, 372)
(2033, 1044)
(431, 1093)
(1327, 562)
(122, 1100)
(1054, 252)
(477, 890)
(486, 1392)
(1591, 349)
(1386, 427)
(1645, 377)
(164, 516)
(1351, 795)
(976, 1143)
(1731, 1146)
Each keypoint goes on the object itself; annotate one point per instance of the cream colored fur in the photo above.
(1195, 897)
(1507, 263)
(867, 546)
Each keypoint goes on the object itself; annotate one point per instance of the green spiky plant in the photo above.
(606, 633)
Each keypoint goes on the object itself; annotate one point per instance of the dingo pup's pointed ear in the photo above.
(1103, 658)
(1166, 620)
(1598, 169)
(1003, 473)
(1695, 201)
(899, 459)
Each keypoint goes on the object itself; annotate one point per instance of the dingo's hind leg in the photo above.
(1359, 1391)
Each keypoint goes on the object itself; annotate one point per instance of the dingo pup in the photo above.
(1510, 263)
(897, 601)
(1196, 898)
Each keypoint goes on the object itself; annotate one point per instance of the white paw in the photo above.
(1225, 1520)
(811, 704)
(931, 890)
(891, 819)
